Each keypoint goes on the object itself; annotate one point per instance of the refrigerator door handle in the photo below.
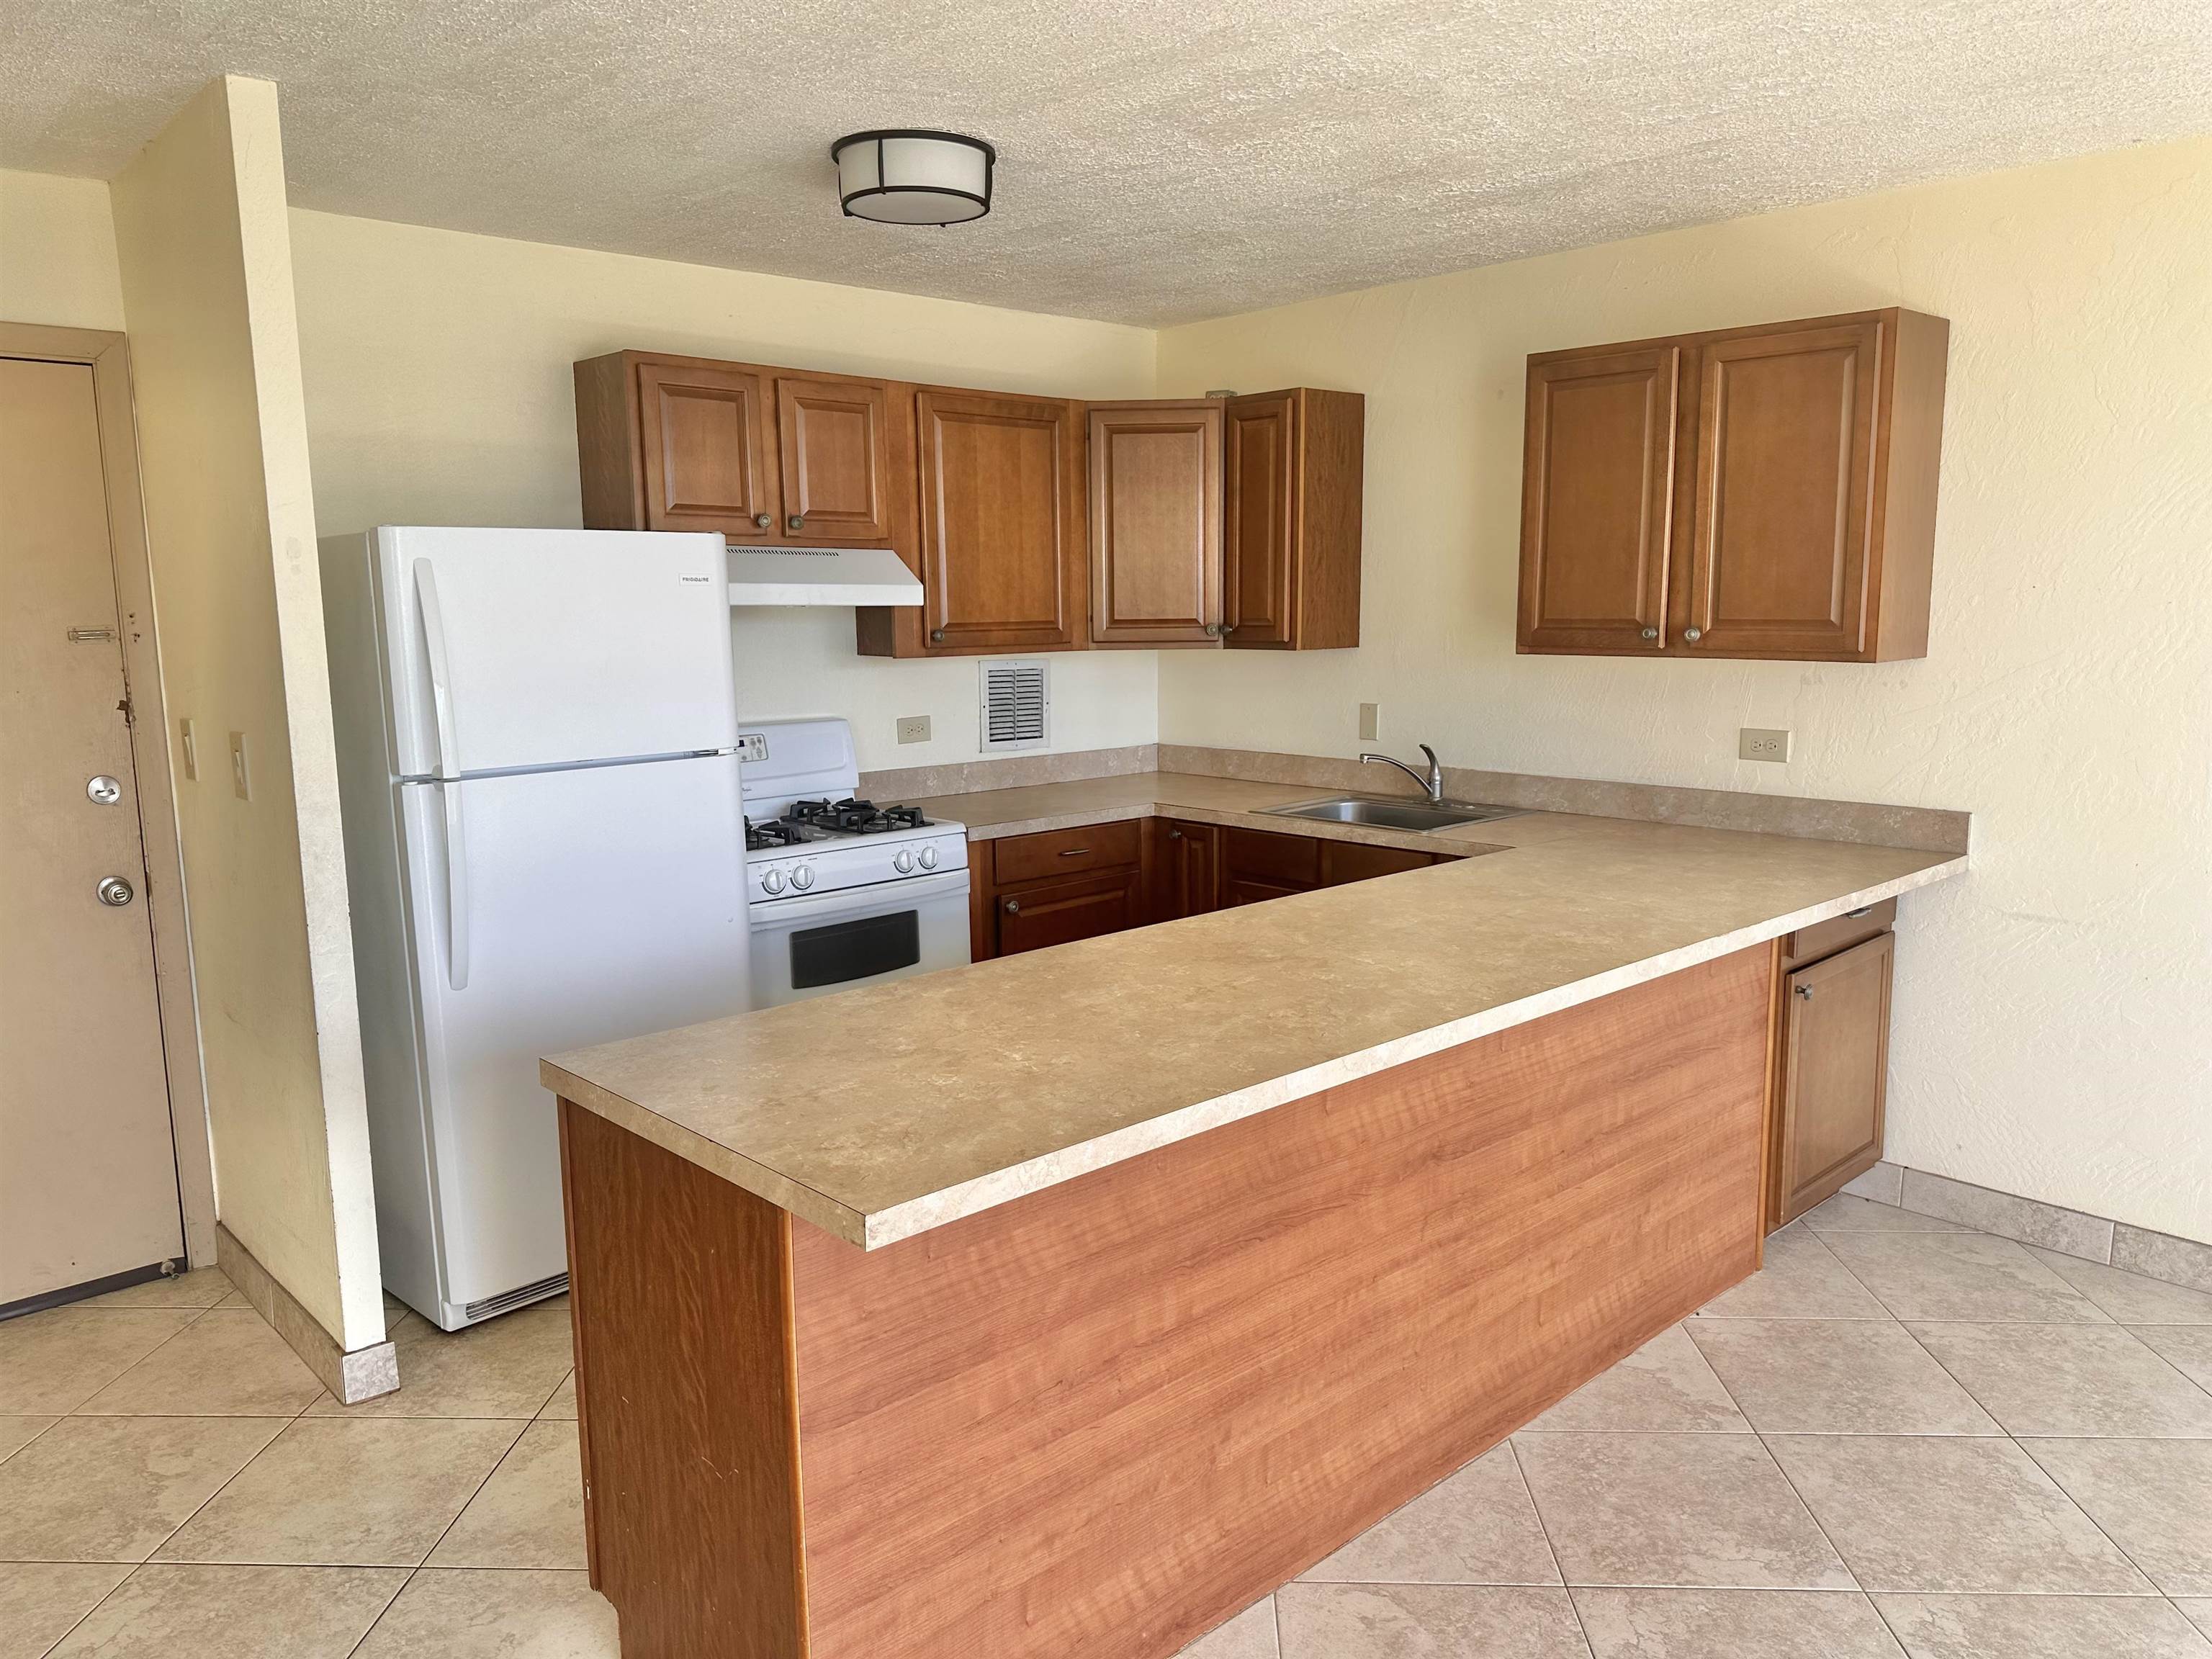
(441, 679)
(457, 888)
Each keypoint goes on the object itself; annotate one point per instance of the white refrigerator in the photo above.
(536, 738)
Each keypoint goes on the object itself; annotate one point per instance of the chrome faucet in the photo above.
(1434, 783)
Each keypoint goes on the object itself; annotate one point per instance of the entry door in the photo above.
(88, 1170)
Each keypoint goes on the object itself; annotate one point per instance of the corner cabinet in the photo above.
(1763, 492)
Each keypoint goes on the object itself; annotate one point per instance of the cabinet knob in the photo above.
(796, 521)
(1175, 835)
(1650, 633)
(1214, 630)
(1806, 992)
(1229, 628)
(937, 636)
(761, 521)
(1013, 907)
(1692, 635)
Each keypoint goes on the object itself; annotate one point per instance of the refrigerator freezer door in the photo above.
(511, 648)
(602, 902)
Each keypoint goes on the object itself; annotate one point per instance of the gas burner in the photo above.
(855, 817)
(764, 837)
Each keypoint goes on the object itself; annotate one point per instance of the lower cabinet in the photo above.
(1831, 1058)
(1064, 884)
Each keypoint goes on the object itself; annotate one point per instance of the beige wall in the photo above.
(2053, 1033)
(439, 391)
(58, 252)
(201, 232)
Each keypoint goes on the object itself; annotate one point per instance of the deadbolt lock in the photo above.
(104, 791)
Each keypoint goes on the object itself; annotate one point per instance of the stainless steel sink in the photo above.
(1394, 814)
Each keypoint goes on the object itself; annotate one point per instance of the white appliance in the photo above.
(844, 893)
(820, 575)
(544, 831)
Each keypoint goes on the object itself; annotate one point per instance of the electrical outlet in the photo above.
(1370, 722)
(913, 728)
(1756, 742)
(189, 740)
(752, 746)
(241, 780)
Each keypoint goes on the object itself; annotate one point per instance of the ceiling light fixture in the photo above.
(911, 176)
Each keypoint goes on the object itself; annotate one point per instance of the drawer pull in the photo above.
(1863, 910)
(1013, 907)
(1075, 853)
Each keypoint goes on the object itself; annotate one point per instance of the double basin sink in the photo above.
(1393, 814)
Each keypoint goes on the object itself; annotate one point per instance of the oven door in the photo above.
(811, 946)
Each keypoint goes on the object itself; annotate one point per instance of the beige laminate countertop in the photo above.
(882, 1112)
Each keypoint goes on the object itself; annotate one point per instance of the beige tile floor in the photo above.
(1902, 1438)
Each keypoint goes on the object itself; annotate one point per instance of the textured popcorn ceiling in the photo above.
(1159, 161)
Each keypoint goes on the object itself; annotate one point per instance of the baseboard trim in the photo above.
(351, 1377)
(2163, 1256)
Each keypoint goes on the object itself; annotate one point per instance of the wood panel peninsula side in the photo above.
(1069, 1303)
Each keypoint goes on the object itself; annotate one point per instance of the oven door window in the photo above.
(847, 950)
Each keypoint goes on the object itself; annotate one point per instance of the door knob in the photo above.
(761, 521)
(1693, 635)
(115, 891)
(103, 791)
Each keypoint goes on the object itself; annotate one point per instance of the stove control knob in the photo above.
(929, 858)
(772, 881)
(803, 877)
(903, 861)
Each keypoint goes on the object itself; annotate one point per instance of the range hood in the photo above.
(820, 575)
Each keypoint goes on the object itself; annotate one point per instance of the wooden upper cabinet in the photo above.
(1763, 492)
(834, 438)
(1597, 502)
(706, 450)
(1785, 461)
(1156, 522)
(1291, 519)
(1003, 565)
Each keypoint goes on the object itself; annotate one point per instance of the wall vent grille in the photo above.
(1017, 705)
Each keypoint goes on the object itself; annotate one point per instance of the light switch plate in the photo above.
(1759, 744)
(913, 728)
(1370, 722)
(189, 740)
(241, 780)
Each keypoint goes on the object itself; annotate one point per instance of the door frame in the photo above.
(108, 356)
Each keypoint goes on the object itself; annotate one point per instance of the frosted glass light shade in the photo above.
(909, 177)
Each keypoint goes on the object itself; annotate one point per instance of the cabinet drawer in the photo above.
(1065, 852)
(1259, 855)
(1824, 938)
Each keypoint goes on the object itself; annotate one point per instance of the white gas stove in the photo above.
(843, 892)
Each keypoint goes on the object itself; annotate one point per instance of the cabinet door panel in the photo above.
(1291, 862)
(1187, 869)
(707, 455)
(1000, 552)
(835, 440)
(1032, 918)
(1784, 475)
(1259, 524)
(1835, 1073)
(1156, 522)
(1597, 494)
(1344, 860)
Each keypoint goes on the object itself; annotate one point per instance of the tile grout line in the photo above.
(1544, 1529)
(414, 1571)
(2012, 1439)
